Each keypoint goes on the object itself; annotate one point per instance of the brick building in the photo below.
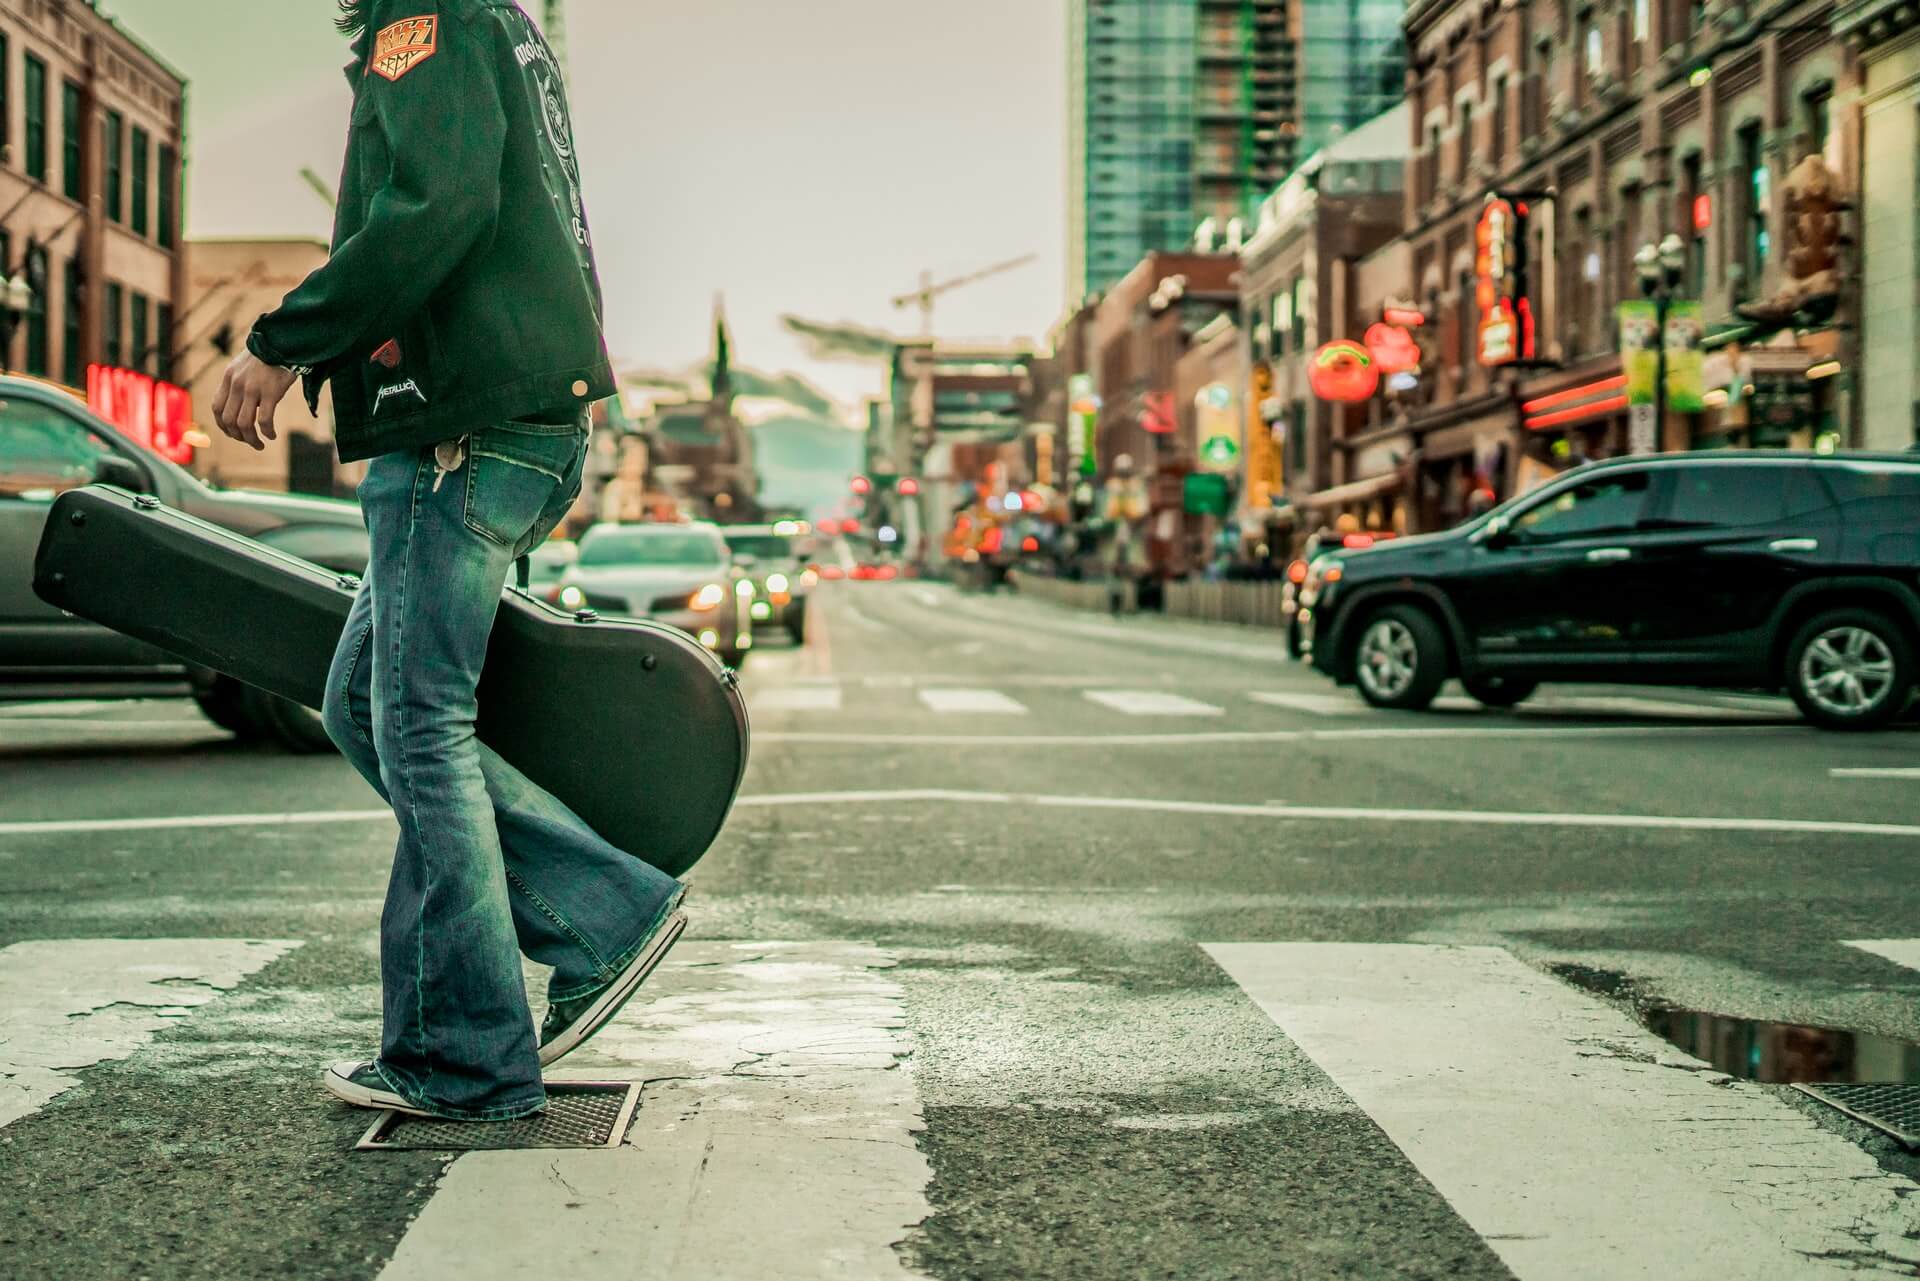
(92, 130)
(1644, 118)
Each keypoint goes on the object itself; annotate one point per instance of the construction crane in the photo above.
(928, 291)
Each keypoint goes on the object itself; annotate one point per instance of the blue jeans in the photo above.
(489, 865)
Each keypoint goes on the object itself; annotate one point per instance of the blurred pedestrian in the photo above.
(458, 321)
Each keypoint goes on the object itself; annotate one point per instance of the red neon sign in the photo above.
(156, 415)
(1343, 371)
(1702, 212)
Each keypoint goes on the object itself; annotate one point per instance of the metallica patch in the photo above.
(403, 46)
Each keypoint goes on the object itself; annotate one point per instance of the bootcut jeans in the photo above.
(488, 865)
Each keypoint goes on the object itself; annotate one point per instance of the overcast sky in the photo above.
(807, 157)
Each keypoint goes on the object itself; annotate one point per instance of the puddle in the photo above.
(1757, 1050)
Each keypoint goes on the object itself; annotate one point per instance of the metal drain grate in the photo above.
(580, 1114)
(1891, 1109)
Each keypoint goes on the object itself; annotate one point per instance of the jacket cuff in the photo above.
(264, 351)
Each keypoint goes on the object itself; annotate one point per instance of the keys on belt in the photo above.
(448, 457)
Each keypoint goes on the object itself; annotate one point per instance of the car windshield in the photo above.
(761, 546)
(642, 546)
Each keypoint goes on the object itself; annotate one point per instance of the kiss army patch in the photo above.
(403, 46)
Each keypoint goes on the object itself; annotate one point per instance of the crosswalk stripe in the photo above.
(989, 702)
(1581, 1147)
(796, 698)
(1318, 704)
(72, 1003)
(1900, 951)
(1889, 772)
(1151, 702)
(775, 1138)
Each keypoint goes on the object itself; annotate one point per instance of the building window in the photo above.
(6, 94)
(142, 359)
(1283, 323)
(1430, 166)
(1302, 326)
(1466, 138)
(112, 348)
(164, 224)
(1596, 49)
(113, 132)
(1817, 109)
(1497, 145)
(163, 341)
(1464, 330)
(37, 316)
(36, 90)
(1756, 188)
(73, 365)
(142, 145)
(1642, 11)
(1586, 290)
(72, 172)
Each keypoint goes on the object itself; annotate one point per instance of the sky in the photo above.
(810, 158)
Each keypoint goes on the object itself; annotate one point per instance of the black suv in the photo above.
(1763, 570)
(49, 443)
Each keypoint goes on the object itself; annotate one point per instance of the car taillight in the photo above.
(1297, 572)
(1357, 542)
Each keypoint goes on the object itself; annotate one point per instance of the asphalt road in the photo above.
(1041, 945)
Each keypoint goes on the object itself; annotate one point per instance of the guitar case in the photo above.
(631, 724)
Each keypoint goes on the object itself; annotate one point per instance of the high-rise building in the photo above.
(1187, 110)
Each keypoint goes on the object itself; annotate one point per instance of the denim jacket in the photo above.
(461, 288)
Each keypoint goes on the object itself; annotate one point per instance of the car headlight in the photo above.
(572, 597)
(1323, 573)
(808, 578)
(708, 597)
(776, 584)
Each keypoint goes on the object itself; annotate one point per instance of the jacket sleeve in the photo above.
(445, 130)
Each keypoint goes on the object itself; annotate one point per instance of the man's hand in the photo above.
(248, 395)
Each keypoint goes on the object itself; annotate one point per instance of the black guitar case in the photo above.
(633, 725)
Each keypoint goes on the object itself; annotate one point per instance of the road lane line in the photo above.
(775, 1139)
(1192, 738)
(1151, 702)
(1318, 704)
(60, 826)
(975, 702)
(72, 1003)
(1875, 773)
(1578, 1145)
(1900, 951)
(795, 698)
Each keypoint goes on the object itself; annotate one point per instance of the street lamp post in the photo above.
(1660, 268)
(16, 300)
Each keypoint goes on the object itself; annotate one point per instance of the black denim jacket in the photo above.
(461, 288)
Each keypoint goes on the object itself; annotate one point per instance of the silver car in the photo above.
(678, 574)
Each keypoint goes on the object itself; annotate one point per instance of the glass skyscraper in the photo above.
(1183, 110)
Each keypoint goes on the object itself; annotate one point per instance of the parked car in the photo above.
(1324, 542)
(770, 557)
(1769, 570)
(49, 443)
(547, 564)
(679, 574)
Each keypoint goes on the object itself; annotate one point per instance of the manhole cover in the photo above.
(580, 1114)
(1891, 1109)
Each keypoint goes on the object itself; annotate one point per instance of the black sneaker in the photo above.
(360, 1083)
(571, 1022)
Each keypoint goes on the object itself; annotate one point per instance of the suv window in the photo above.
(1737, 495)
(43, 452)
(1876, 492)
(1604, 505)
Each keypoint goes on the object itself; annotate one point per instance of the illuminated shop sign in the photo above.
(156, 415)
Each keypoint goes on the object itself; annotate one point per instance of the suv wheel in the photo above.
(1850, 669)
(1499, 691)
(1400, 660)
(221, 699)
(298, 729)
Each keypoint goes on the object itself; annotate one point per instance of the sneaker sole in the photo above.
(602, 1011)
(362, 1097)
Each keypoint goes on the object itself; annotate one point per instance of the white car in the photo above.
(678, 574)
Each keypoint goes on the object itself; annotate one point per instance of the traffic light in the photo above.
(909, 487)
(861, 485)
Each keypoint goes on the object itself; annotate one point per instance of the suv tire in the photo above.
(1850, 669)
(1400, 658)
(222, 701)
(1499, 691)
(298, 729)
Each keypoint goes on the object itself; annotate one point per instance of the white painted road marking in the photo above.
(1224, 809)
(1900, 951)
(987, 702)
(795, 698)
(1151, 702)
(1876, 773)
(1318, 704)
(1225, 737)
(1579, 1146)
(775, 1138)
(67, 1004)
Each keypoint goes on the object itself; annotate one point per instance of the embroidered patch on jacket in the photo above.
(409, 387)
(403, 46)
(388, 355)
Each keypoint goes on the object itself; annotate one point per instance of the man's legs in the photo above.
(458, 1037)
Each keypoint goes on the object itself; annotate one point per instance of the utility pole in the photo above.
(555, 24)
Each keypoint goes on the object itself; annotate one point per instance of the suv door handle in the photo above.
(1794, 545)
(1607, 555)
